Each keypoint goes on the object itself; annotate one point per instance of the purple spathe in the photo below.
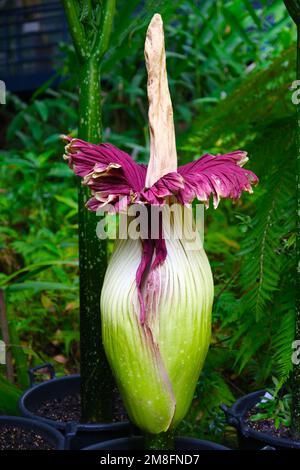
(112, 174)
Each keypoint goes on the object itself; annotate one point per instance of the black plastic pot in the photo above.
(79, 435)
(51, 435)
(136, 443)
(249, 438)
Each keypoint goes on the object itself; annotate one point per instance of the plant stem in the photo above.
(6, 338)
(14, 351)
(90, 118)
(96, 377)
(162, 441)
(18, 353)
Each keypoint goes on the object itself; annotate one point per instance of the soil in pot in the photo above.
(14, 437)
(267, 425)
(67, 408)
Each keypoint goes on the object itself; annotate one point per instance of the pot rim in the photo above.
(135, 439)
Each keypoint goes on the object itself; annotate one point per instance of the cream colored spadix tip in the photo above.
(163, 155)
(156, 23)
(156, 18)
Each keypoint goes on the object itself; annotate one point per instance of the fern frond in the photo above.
(261, 99)
(260, 118)
(284, 330)
(265, 259)
(282, 345)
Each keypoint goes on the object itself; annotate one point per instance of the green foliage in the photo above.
(275, 407)
(207, 58)
(255, 308)
(9, 396)
(38, 236)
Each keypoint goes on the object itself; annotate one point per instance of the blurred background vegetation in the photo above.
(230, 64)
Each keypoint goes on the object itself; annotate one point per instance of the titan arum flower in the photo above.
(157, 295)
